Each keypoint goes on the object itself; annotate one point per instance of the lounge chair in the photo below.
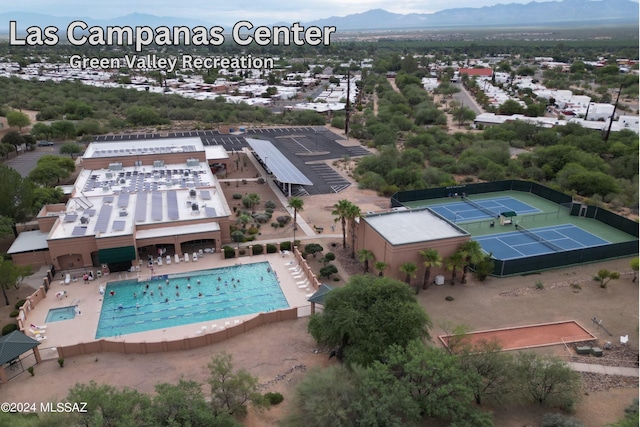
(177, 258)
(168, 259)
(159, 260)
(195, 256)
(41, 327)
(186, 257)
(67, 279)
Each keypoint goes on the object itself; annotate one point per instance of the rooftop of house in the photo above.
(402, 227)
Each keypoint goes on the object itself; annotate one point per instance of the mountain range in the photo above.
(565, 12)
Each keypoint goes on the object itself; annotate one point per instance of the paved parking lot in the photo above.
(306, 147)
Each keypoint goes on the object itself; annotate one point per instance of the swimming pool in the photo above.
(130, 306)
(62, 313)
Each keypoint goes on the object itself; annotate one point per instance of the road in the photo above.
(27, 161)
(465, 98)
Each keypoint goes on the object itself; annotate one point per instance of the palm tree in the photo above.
(472, 255)
(381, 266)
(340, 211)
(432, 258)
(365, 255)
(455, 262)
(297, 204)
(353, 213)
(409, 268)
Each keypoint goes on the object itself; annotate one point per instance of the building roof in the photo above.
(177, 231)
(15, 344)
(277, 163)
(320, 296)
(483, 72)
(412, 226)
(216, 152)
(28, 241)
(143, 147)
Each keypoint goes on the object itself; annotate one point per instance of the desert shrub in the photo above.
(242, 252)
(237, 196)
(449, 298)
(253, 230)
(275, 225)
(271, 248)
(328, 270)
(283, 219)
(270, 204)
(559, 420)
(7, 329)
(273, 398)
(285, 246)
(229, 252)
(261, 218)
(539, 285)
(14, 313)
(268, 211)
(20, 304)
(257, 249)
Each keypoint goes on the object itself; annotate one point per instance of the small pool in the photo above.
(62, 313)
(193, 297)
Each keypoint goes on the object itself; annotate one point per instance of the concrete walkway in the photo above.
(602, 369)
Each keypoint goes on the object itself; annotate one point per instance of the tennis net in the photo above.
(480, 207)
(537, 238)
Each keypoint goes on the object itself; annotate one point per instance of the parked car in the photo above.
(45, 143)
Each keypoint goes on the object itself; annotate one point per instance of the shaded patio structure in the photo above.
(319, 296)
(12, 346)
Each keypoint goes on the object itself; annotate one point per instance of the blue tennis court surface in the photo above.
(460, 211)
(516, 244)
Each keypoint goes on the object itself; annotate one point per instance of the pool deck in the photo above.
(82, 329)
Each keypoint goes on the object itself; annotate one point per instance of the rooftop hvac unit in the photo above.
(195, 207)
(108, 175)
(158, 163)
(193, 162)
(123, 181)
(124, 213)
(84, 220)
(192, 193)
(115, 166)
(105, 188)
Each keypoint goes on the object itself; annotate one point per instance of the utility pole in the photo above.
(615, 106)
(348, 106)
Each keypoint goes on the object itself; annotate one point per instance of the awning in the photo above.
(509, 214)
(114, 255)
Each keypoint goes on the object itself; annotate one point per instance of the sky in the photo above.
(230, 11)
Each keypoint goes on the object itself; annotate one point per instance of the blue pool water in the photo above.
(62, 313)
(241, 289)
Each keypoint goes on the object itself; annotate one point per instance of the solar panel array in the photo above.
(117, 152)
(172, 205)
(205, 195)
(156, 206)
(107, 199)
(118, 225)
(102, 223)
(141, 207)
(123, 200)
(79, 230)
(281, 167)
(70, 217)
(137, 181)
(90, 212)
(210, 212)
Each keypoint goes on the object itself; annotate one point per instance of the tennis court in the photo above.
(545, 240)
(473, 210)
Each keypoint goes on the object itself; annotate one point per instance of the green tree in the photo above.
(108, 406)
(323, 398)
(463, 115)
(184, 404)
(364, 256)
(604, 276)
(313, 249)
(70, 148)
(243, 220)
(17, 118)
(16, 195)
(494, 369)
(232, 391)
(455, 263)
(328, 270)
(547, 380)
(353, 214)
(341, 212)
(9, 274)
(409, 270)
(14, 138)
(473, 254)
(431, 258)
(297, 204)
(6, 226)
(237, 236)
(437, 383)
(362, 319)
(381, 266)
